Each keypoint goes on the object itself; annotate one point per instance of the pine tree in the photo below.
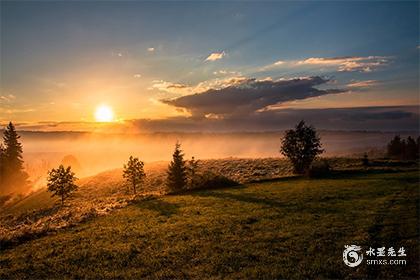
(134, 172)
(13, 151)
(15, 177)
(177, 171)
(61, 182)
(410, 149)
(2, 168)
(418, 147)
(395, 148)
(192, 172)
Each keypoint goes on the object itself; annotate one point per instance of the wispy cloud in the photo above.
(273, 65)
(341, 64)
(226, 72)
(151, 49)
(363, 84)
(215, 56)
(349, 63)
(7, 98)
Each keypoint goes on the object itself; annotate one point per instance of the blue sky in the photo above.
(61, 59)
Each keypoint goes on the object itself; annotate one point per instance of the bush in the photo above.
(210, 180)
(365, 160)
(319, 169)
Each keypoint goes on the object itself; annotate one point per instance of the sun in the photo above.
(104, 113)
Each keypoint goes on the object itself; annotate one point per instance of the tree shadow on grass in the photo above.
(249, 198)
(162, 207)
(359, 174)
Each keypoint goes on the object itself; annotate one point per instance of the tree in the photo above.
(14, 176)
(192, 169)
(410, 149)
(365, 160)
(134, 172)
(61, 182)
(301, 146)
(395, 148)
(2, 167)
(177, 171)
(418, 147)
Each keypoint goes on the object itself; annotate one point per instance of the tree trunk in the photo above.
(134, 188)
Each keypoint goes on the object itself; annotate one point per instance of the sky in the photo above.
(215, 66)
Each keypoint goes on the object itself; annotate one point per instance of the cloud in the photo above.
(276, 64)
(363, 84)
(7, 98)
(341, 64)
(137, 75)
(226, 72)
(183, 89)
(169, 87)
(385, 118)
(151, 49)
(215, 56)
(248, 95)
(349, 63)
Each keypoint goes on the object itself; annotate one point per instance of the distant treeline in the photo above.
(404, 149)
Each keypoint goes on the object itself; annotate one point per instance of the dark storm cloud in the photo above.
(251, 95)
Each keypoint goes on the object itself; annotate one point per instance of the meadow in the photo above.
(288, 227)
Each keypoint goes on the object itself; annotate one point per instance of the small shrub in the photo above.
(319, 169)
(365, 160)
(210, 180)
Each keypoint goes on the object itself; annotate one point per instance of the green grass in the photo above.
(290, 228)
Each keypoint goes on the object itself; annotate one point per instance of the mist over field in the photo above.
(91, 153)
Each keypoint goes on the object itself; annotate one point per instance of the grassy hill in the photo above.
(289, 228)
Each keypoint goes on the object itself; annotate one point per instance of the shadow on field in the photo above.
(358, 174)
(164, 208)
(249, 198)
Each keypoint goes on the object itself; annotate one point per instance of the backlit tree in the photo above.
(61, 182)
(134, 173)
(177, 171)
(14, 177)
(301, 146)
(192, 170)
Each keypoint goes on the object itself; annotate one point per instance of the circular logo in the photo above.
(351, 255)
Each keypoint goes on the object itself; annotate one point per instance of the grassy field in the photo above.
(288, 228)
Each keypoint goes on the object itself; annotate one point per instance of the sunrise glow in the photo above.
(104, 113)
